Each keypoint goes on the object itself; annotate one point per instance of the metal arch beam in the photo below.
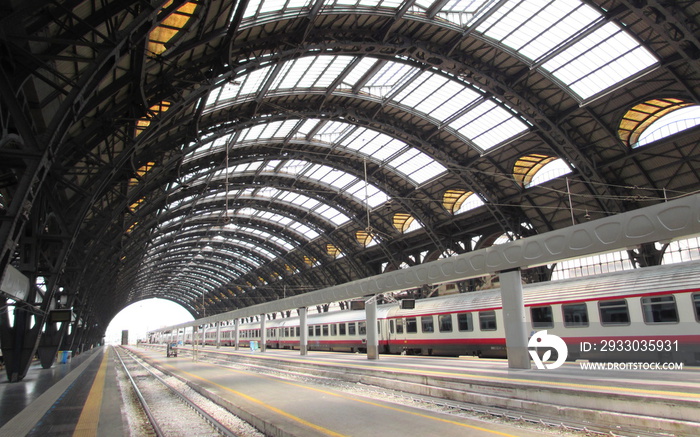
(661, 222)
(674, 24)
(524, 101)
(384, 126)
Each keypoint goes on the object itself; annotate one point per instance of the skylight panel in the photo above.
(294, 167)
(332, 214)
(295, 73)
(307, 126)
(392, 75)
(535, 28)
(252, 133)
(609, 51)
(331, 70)
(421, 93)
(367, 193)
(255, 7)
(462, 12)
(332, 130)
(486, 117)
(278, 129)
(446, 100)
(252, 82)
(428, 172)
(377, 145)
(359, 70)
(418, 166)
(304, 230)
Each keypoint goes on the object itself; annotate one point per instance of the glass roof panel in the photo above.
(488, 125)
(461, 12)
(538, 30)
(368, 193)
(605, 58)
(436, 95)
(391, 76)
(268, 7)
(282, 220)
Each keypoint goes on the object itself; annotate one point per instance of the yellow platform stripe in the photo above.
(90, 416)
(317, 427)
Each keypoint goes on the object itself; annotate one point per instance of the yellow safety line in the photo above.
(319, 428)
(90, 416)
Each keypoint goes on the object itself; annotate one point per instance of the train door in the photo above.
(399, 342)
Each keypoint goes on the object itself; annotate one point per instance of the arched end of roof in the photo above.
(402, 221)
(527, 166)
(640, 117)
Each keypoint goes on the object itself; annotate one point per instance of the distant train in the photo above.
(648, 314)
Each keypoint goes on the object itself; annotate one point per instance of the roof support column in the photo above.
(218, 335)
(303, 331)
(263, 332)
(514, 319)
(372, 335)
(237, 333)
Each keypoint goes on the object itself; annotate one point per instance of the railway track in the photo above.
(171, 411)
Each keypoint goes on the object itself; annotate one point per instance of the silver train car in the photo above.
(648, 314)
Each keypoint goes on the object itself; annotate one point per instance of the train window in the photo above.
(614, 312)
(487, 320)
(311, 331)
(696, 302)
(298, 330)
(427, 324)
(341, 329)
(542, 317)
(391, 326)
(352, 328)
(325, 330)
(575, 315)
(362, 328)
(445, 322)
(464, 322)
(334, 330)
(411, 325)
(399, 326)
(318, 330)
(659, 309)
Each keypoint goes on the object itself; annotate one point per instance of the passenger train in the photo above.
(647, 314)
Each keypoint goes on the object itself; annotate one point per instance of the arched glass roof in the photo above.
(271, 143)
(568, 41)
(450, 104)
(567, 38)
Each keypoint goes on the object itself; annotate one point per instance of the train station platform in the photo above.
(651, 402)
(79, 397)
(82, 397)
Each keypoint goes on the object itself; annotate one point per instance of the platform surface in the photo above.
(82, 397)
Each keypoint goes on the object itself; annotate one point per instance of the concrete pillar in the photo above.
(218, 335)
(263, 332)
(372, 334)
(237, 333)
(303, 331)
(514, 319)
